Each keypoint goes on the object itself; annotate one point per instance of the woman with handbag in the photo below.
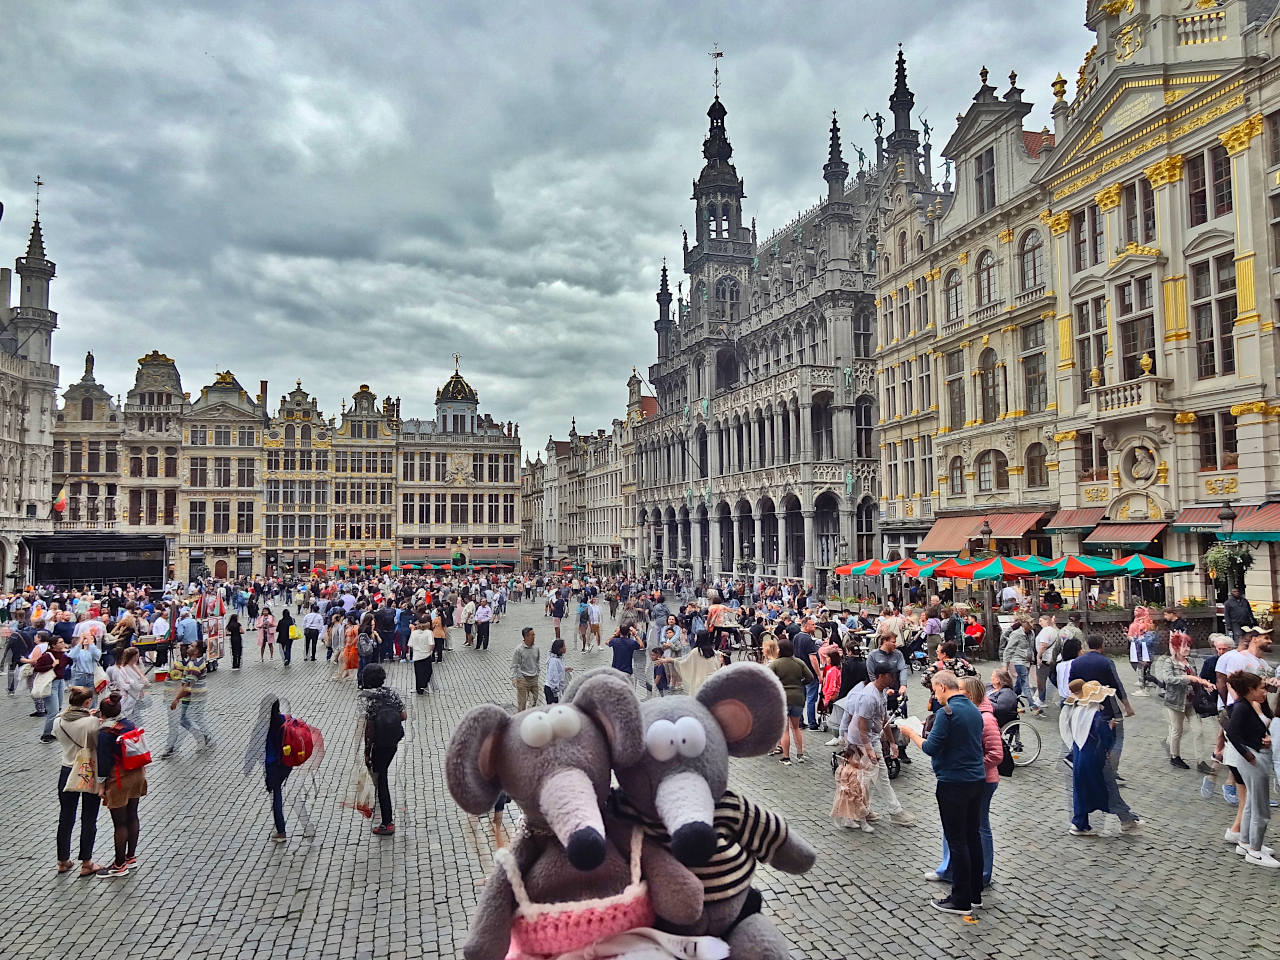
(120, 789)
(129, 682)
(76, 730)
(266, 634)
(1178, 677)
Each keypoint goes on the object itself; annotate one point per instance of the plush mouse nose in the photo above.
(585, 849)
(694, 843)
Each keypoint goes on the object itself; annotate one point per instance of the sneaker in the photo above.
(278, 838)
(131, 863)
(1231, 836)
(1229, 794)
(165, 755)
(775, 752)
(1261, 858)
(1243, 851)
(106, 873)
(948, 906)
(385, 830)
(934, 877)
(866, 827)
(35, 713)
(1204, 768)
(47, 738)
(1086, 832)
(1179, 763)
(872, 817)
(832, 742)
(903, 758)
(976, 903)
(1133, 826)
(1206, 788)
(785, 761)
(903, 819)
(801, 758)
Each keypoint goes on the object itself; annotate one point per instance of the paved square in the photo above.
(212, 884)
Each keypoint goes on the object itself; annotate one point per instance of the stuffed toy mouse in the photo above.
(680, 794)
(564, 887)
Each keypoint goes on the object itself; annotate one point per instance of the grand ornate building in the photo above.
(1100, 320)
(28, 399)
(296, 481)
(364, 480)
(759, 458)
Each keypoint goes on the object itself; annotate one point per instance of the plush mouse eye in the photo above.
(660, 739)
(691, 739)
(536, 730)
(565, 721)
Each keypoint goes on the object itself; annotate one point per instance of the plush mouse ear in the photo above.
(579, 679)
(472, 760)
(612, 704)
(748, 702)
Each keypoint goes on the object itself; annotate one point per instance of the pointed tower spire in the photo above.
(663, 324)
(33, 321)
(35, 245)
(836, 171)
(903, 139)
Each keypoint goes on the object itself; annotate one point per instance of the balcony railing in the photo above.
(62, 525)
(1132, 396)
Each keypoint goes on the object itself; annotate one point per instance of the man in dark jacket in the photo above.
(1238, 614)
(384, 622)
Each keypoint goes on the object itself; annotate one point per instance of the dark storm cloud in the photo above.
(351, 192)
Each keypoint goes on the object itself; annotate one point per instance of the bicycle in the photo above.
(1023, 740)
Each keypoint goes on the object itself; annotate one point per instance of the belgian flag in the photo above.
(60, 501)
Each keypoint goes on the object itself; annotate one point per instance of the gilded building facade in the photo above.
(364, 480)
(297, 448)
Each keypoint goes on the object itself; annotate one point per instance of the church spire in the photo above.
(836, 171)
(663, 324)
(902, 101)
(35, 245)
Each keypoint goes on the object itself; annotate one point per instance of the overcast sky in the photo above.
(350, 192)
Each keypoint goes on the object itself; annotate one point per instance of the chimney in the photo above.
(262, 397)
(6, 288)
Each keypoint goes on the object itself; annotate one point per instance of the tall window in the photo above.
(926, 461)
(864, 529)
(985, 273)
(993, 471)
(1139, 209)
(222, 472)
(891, 393)
(1031, 261)
(1091, 342)
(863, 427)
(891, 472)
(1037, 466)
(984, 179)
(728, 296)
(199, 471)
(1087, 237)
(1213, 296)
(195, 516)
(955, 477)
(955, 389)
(1135, 302)
(954, 292)
(222, 516)
(989, 386)
(244, 471)
(222, 436)
(925, 380)
(1208, 185)
(1035, 383)
(1093, 456)
(1218, 449)
(862, 334)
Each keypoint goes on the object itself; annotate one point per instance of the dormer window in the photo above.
(984, 179)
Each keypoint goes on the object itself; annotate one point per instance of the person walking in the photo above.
(1089, 735)
(384, 716)
(120, 789)
(955, 749)
(526, 669)
(285, 629)
(557, 673)
(483, 618)
(84, 657)
(1142, 645)
(129, 682)
(266, 625)
(1178, 676)
(53, 661)
(76, 729)
(266, 749)
(421, 646)
(235, 631)
(439, 633)
(1016, 655)
(312, 624)
(187, 704)
(1095, 665)
(795, 675)
(864, 725)
(1248, 754)
(1237, 614)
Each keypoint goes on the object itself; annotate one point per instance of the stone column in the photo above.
(806, 431)
(784, 559)
(713, 523)
(713, 451)
(810, 546)
(759, 555)
(736, 553)
(695, 545)
(777, 437)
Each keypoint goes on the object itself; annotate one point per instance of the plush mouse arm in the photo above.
(489, 936)
(794, 855)
(767, 836)
(675, 892)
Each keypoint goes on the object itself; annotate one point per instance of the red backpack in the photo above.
(134, 753)
(297, 743)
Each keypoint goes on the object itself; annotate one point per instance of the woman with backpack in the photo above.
(76, 729)
(266, 634)
(267, 747)
(384, 717)
(121, 782)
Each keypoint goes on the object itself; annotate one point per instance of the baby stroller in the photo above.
(899, 712)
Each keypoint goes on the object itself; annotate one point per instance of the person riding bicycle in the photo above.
(1004, 702)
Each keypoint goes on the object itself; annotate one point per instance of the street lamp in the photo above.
(1227, 515)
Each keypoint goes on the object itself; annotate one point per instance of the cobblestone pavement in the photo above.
(211, 884)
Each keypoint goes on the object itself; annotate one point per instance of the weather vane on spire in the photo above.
(39, 183)
(456, 358)
(715, 54)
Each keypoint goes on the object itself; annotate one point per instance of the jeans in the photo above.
(984, 834)
(882, 785)
(188, 716)
(1044, 680)
(311, 637)
(1257, 809)
(88, 804)
(959, 806)
(381, 781)
(53, 703)
(1022, 681)
(811, 691)
(386, 644)
(277, 808)
(1114, 800)
(286, 645)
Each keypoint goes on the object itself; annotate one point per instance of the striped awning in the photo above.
(950, 535)
(1082, 519)
(1125, 534)
(1262, 524)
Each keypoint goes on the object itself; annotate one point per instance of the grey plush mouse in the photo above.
(680, 793)
(555, 763)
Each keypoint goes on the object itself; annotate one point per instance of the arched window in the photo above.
(955, 476)
(919, 243)
(713, 220)
(1031, 261)
(993, 471)
(954, 290)
(86, 408)
(728, 296)
(863, 428)
(698, 302)
(290, 435)
(988, 386)
(786, 349)
(986, 277)
(305, 435)
(902, 248)
(1037, 469)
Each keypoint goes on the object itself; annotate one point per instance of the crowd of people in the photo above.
(94, 659)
